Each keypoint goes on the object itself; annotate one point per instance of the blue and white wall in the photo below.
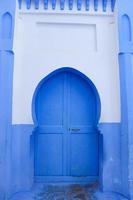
(45, 40)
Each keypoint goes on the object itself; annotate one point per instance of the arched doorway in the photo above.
(66, 111)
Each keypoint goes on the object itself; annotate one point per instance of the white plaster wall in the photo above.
(45, 41)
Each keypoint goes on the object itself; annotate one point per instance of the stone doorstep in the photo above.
(99, 195)
(66, 192)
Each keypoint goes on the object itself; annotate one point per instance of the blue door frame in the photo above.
(66, 110)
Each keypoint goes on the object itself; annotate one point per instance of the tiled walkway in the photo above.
(66, 192)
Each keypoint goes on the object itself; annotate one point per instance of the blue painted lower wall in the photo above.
(126, 81)
(111, 176)
(22, 158)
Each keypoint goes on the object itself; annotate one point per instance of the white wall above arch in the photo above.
(47, 41)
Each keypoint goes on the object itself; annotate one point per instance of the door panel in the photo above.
(83, 136)
(49, 133)
(84, 154)
(50, 101)
(48, 155)
(81, 102)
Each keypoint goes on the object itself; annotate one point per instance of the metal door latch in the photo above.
(74, 129)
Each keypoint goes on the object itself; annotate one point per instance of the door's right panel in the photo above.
(83, 134)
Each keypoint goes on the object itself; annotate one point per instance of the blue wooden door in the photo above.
(66, 139)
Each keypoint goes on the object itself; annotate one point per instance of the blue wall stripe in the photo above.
(53, 4)
(87, 4)
(79, 4)
(104, 5)
(28, 4)
(36, 4)
(20, 3)
(113, 5)
(95, 5)
(45, 4)
(62, 4)
(70, 4)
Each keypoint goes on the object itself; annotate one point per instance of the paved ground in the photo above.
(66, 192)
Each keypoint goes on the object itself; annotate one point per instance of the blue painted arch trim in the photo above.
(74, 71)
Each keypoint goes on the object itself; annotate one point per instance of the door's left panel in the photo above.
(50, 131)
